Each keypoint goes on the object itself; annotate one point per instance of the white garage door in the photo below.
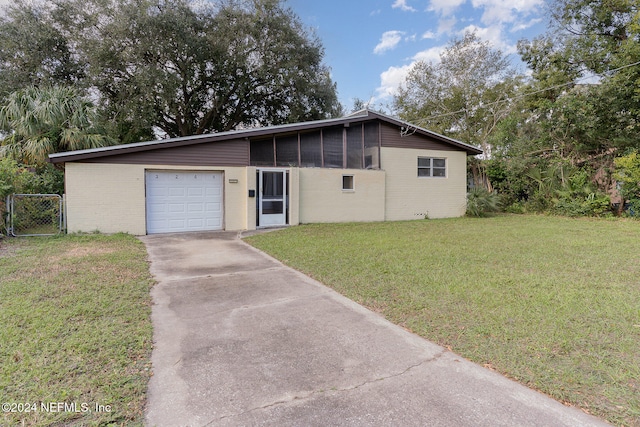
(183, 201)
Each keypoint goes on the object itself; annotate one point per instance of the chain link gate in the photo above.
(34, 214)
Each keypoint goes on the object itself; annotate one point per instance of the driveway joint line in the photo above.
(216, 275)
(307, 395)
(268, 304)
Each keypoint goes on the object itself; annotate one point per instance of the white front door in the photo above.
(273, 197)
(183, 201)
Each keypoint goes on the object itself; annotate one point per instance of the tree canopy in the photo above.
(551, 137)
(33, 50)
(464, 95)
(179, 67)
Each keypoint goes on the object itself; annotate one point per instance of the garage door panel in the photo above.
(176, 191)
(183, 201)
(213, 207)
(195, 224)
(155, 224)
(176, 208)
(213, 191)
(195, 208)
(197, 192)
(157, 192)
(176, 224)
(156, 209)
(214, 223)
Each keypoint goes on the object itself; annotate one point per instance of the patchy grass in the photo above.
(75, 329)
(551, 302)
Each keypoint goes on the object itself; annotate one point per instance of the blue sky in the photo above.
(371, 44)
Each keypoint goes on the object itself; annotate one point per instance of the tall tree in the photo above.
(464, 95)
(599, 35)
(593, 38)
(188, 68)
(39, 121)
(580, 109)
(33, 51)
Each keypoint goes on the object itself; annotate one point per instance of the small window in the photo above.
(347, 183)
(432, 167)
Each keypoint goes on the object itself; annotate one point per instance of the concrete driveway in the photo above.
(241, 339)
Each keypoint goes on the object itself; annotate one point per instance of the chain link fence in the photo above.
(34, 214)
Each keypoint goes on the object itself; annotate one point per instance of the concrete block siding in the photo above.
(408, 196)
(110, 198)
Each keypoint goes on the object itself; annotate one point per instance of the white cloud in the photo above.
(429, 35)
(390, 81)
(521, 26)
(394, 77)
(445, 7)
(388, 41)
(411, 38)
(494, 12)
(493, 35)
(429, 55)
(402, 5)
(500, 11)
(446, 26)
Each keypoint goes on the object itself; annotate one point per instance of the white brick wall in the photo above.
(110, 198)
(323, 200)
(410, 197)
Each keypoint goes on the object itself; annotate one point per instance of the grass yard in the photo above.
(75, 330)
(551, 302)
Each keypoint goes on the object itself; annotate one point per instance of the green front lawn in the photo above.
(75, 330)
(551, 302)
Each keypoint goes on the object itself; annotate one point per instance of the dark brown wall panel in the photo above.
(227, 153)
(391, 138)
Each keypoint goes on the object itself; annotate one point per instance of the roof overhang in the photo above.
(359, 116)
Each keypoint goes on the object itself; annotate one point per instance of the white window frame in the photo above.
(431, 167)
(353, 183)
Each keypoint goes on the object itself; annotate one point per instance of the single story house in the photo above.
(366, 166)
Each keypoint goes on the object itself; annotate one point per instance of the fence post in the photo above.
(64, 213)
(5, 216)
(10, 201)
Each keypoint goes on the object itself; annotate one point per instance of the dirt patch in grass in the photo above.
(84, 250)
(8, 247)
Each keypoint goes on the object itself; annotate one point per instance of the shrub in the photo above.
(594, 204)
(628, 176)
(16, 178)
(481, 202)
(578, 197)
(633, 208)
(515, 208)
